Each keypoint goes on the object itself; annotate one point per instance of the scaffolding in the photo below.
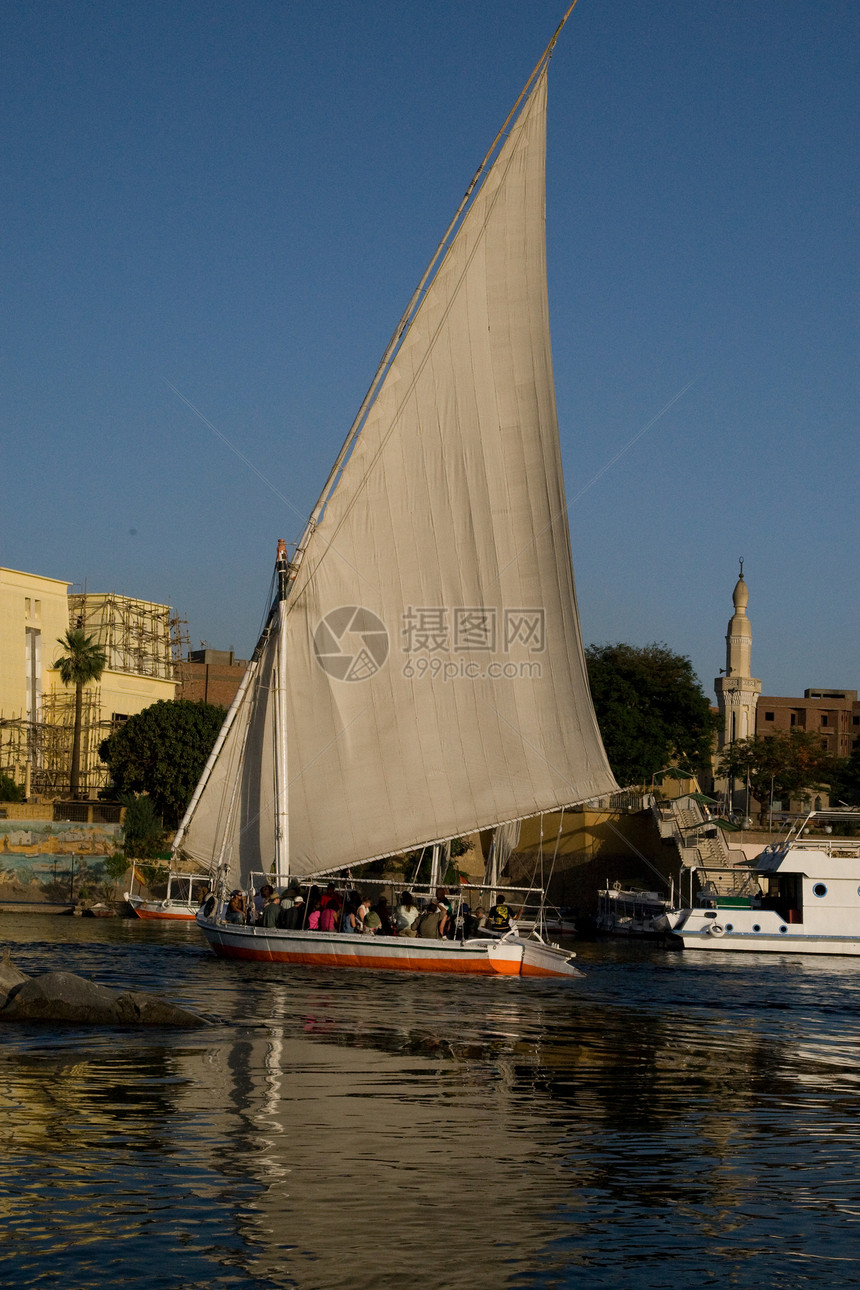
(140, 638)
(37, 754)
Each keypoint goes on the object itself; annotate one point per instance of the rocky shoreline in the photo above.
(61, 998)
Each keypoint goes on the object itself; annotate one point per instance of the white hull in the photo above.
(770, 943)
(169, 910)
(512, 957)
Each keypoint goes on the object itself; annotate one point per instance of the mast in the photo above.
(282, 809)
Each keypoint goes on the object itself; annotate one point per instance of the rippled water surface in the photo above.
(670, 1119)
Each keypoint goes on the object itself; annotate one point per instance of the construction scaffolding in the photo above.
(140, 638)
(37, 754)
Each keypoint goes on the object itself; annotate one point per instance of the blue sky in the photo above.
(236, 200)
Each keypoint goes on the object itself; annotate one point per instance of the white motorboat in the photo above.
(807, 902)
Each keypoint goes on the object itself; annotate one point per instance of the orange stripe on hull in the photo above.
(147, 913)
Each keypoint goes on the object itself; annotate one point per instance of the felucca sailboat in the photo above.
(421, 673)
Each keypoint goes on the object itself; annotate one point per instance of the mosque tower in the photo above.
(737, 692)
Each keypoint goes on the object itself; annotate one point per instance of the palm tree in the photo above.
(84, 662)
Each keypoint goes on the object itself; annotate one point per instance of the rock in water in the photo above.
(65, 999)
(148, 1010)
(10, 977)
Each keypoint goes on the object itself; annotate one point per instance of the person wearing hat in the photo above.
(292, 915)
(288, 899)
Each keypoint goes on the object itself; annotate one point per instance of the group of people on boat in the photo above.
(315, 909)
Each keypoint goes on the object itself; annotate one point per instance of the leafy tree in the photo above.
(83, 662)
(9, 790)
(845, 785)
(650, 708)
(115, 867)
(162, 752)
(143, 833)
(785, 764)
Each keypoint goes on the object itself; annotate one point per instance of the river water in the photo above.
(669, 1119)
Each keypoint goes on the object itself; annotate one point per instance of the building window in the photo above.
(118, 718)
(825, 720)
(794, 718)
(768, 716)
(855, 721)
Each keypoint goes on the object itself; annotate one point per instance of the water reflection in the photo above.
(662, 1121)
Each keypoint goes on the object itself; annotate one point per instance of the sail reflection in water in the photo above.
(659, 1123)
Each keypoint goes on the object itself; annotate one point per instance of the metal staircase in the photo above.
(702, 845)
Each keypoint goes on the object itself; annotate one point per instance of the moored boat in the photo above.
(185, 893)
(806, 898)
(630, 912)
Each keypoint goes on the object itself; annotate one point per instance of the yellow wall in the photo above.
(595, 848)
(48, 614)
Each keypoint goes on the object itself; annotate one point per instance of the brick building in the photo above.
(833, 714)
(213, 675)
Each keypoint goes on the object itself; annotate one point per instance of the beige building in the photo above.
(143, 642)
(832, 714)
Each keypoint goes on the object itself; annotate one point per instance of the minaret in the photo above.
(737, 692)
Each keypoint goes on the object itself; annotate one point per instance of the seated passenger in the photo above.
(500, 916)
(331, 896)
(291, 918)
(262, 898)
(313, 923)
(288, 899)
(328, 919)
(430, 922)
(347, 921)
(362, 909)
(372, 922)
(406, 916)
(384, 913)
(236, 907)
(272, 912)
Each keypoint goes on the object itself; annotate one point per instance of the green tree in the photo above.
(9, 790)
(784, 764)
(143, 833)
(83, 662)
(651, 710)
(845, 783)
(162, 752)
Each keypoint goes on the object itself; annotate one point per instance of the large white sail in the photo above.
(436, 677)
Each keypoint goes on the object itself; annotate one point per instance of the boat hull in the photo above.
(163, 910)
(397, 954)
(759, 931)
(769, 943)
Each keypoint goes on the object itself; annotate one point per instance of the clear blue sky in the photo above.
(236, 199)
